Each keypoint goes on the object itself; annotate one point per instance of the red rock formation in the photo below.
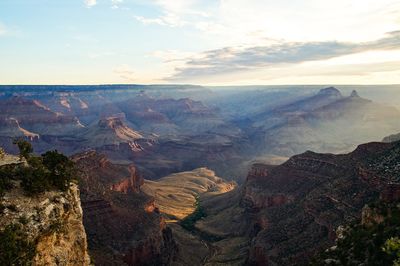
(131, 184)
(295, 208)
(35, 117)
(122, 220)
(151, 206)
(369, 217)
(258, 170)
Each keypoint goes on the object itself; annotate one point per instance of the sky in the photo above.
(205, 42)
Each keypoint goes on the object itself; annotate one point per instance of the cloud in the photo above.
(90, 3)
(176, 13)
(126, 72)
(234, 59)
(115, 3)
(168, 19)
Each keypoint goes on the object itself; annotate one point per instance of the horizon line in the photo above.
(198, 85)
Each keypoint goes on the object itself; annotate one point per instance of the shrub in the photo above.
(15, 246)
(51, 170)
(61, 169)
(392, 248)
(25, 148)
(6, 174)
(189, 222)
(34, 177)
(377, 244)
(2, 153)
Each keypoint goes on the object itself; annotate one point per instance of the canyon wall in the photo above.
(52, 222)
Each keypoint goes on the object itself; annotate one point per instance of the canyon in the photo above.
(178, 175)
(224, 130)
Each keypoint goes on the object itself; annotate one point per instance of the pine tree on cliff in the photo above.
(25, 148)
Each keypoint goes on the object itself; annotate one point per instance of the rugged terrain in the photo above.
(371, 240)
(293, 210)
(283, 215)
(325, 122)
(48, 227)
(169, 129)
(123, 224)
(143, 204)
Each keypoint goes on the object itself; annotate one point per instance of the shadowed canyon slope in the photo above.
(293, 210)
(282, 215)
(122, 223)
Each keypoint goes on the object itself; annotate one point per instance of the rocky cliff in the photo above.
(51, 223)
(371, 240)
(124, 227)
(305, 200)
(284, 214)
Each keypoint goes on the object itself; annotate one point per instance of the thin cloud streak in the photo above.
(231, 59)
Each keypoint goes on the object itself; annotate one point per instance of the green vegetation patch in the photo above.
(52, 170)
(189, 221)
(376, 244)
(6, 174)
(15, 246)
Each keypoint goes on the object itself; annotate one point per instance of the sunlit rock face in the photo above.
(33, 116)
(53, 221)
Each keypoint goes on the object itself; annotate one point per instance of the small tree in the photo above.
(25, 148)
(61, 168)
(35, 176)
(392, 248)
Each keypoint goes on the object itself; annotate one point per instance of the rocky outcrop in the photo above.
(33, 116)
(122, 223)
(53, 221)
(154, 250)
(369, 216)
(131, 184)
(295, 208)
(258, 170)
